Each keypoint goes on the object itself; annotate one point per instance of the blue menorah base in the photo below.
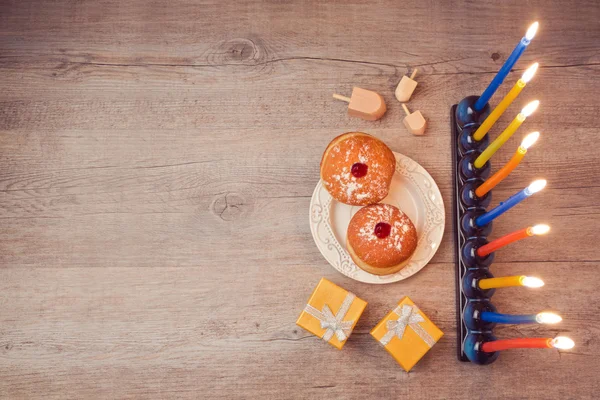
(471, 301)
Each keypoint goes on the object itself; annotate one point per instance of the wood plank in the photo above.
(180, 325)
(218, 227)
(411, 32)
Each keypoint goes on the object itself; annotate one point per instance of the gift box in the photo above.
(406, 333)
(331, 313)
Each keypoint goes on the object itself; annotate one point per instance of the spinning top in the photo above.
(414, 122)
(406, 87)
(364, 104)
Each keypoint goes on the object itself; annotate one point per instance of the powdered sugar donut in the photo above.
(357, 169)
(381, 239)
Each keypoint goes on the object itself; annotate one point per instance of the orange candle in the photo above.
(512, 237)
(495, 179)
(559, 342)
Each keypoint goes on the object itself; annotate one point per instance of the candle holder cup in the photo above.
(469, 254)
(472, 348)
(466, 142)
(470, 284)
(472, 315)
(470, 199)
(468, 226)
(465, 114)
(467, 168)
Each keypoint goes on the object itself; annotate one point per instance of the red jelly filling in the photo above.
(382, 230)
(359, 170)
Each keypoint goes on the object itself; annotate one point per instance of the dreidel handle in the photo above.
(405, 109)
(414, 73)
(342, 98)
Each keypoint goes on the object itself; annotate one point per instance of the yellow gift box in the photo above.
(406, 333)
(331, 313)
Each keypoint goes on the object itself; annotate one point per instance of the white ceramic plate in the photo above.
(412, 190)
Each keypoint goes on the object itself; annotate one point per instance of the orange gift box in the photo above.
(331, 313)
(406, 333)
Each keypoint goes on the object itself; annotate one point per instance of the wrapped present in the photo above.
(331, 313)
(406, 333)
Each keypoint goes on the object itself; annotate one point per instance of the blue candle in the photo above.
(512, 201)
(510, 62)
(541, 318)
(507, 319)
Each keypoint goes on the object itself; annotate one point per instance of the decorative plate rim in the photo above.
(429, 240)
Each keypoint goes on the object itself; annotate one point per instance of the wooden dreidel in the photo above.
(414, 122)
(406, 87)
(364, 104)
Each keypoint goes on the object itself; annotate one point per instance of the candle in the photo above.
(506, 101)
(508, 132)
(508, 64)
(508, 281)
(560, 342)
(512, 201)
(495, 179)
(512, 237)
(540, 318)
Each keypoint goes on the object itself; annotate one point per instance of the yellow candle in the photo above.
(495, 179)
(506, 101)
(507, 281)
(504, 136)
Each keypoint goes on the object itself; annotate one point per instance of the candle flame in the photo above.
(536, 186)
(530, 108)
(540, 229)
(530, 140)
(531, 31)
(529, 73)
(532, 282)
(562, 342)
(547, 318)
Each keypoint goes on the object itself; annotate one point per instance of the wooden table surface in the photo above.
(157, 160)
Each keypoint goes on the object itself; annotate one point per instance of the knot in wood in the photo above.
(229, 206)
(236, 51)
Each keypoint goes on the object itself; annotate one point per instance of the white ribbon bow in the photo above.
(408, 316)
(334, 324)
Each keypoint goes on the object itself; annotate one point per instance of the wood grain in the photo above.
(156, 165)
